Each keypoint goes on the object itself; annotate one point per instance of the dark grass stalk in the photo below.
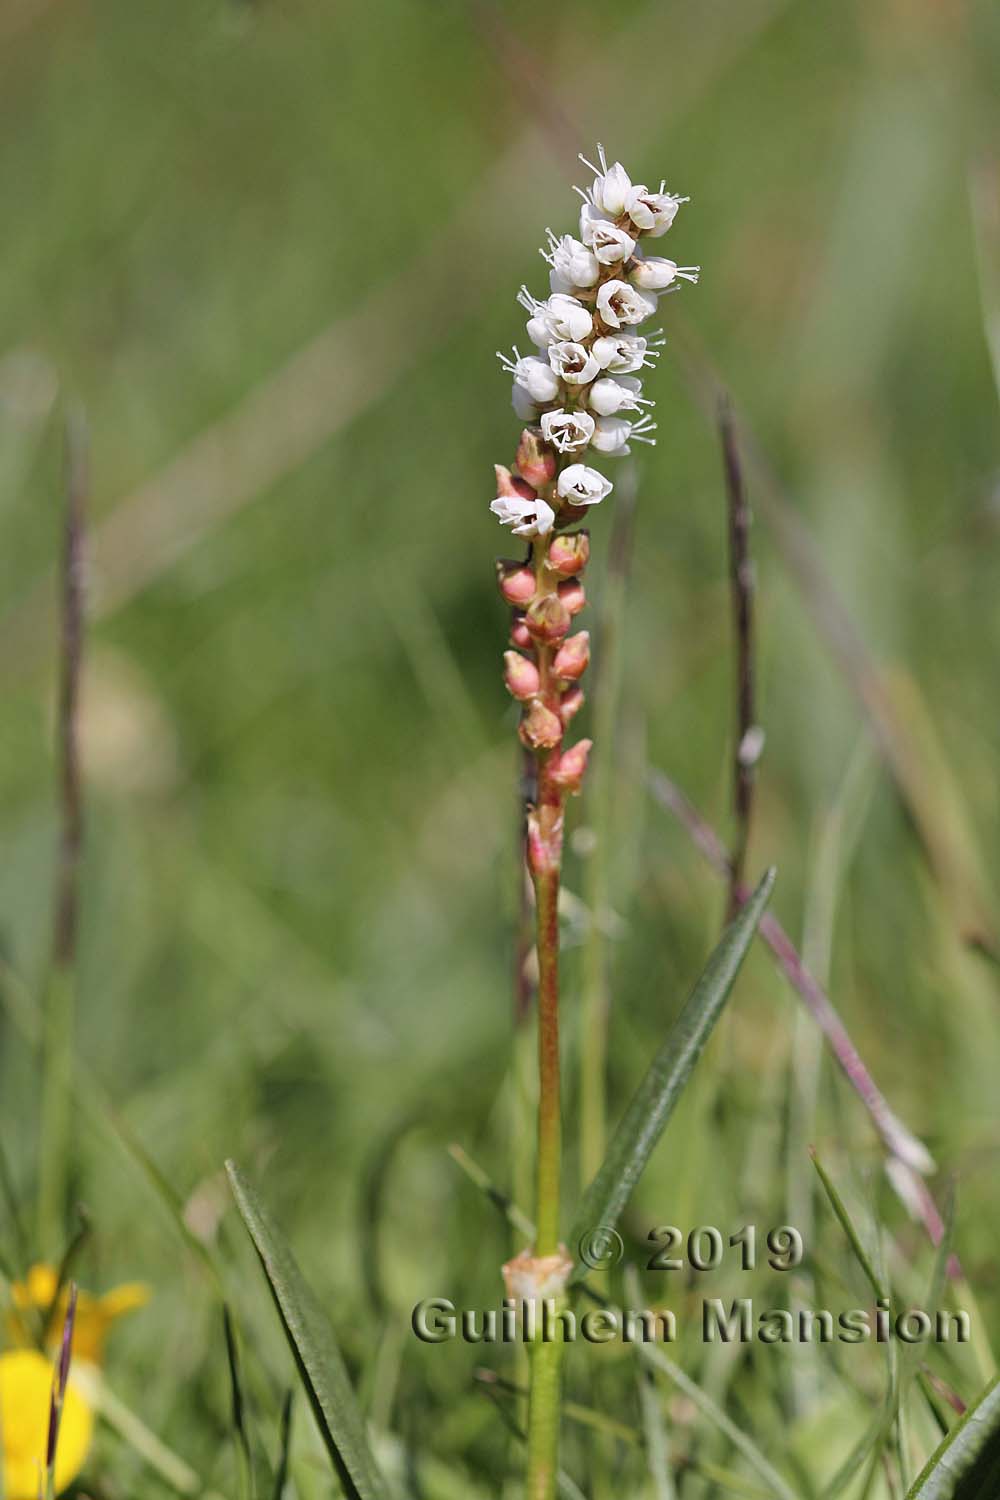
(902, 1146)
(60, 998)
(606, 698)
(69, 1258)
(836, 628)
(58, 1397)
(285, 1445)
(746, 738)
(241, 1439)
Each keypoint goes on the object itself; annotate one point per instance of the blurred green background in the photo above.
(270, 248)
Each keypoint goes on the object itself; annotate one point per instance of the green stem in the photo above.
(546, 1357)
(549, 1122)
(543, 1420)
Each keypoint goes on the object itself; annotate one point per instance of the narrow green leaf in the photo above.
(744, 1444)
(244, 1459)
(966, 1465)
(281, 1474)
(871, 1273)
(314, 1347)
(652, 1105)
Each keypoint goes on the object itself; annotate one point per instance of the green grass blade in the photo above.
(244, 1460)
(314, 1347)
(652, 1105)
(654, 1427)
(745, 1445)
(871, 1273)
(966, 1466)
(281, 1474)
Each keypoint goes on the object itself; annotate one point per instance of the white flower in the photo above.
(608, 396)
(572, 263)
(611, 186)
(582, 486)
(655, 273)
(653, 213)
(574, 363)
(612, 434)
(524, 408)
(619, 303)
(609, 243)
(561, 317)
(524, 517)
(621, 353)
(534, 374)
(567, 430)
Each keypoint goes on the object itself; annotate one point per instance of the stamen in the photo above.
(601, 157)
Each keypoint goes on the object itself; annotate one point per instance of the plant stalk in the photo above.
(549, 1123)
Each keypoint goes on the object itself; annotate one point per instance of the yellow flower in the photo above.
(25, 1388)
(32, 1302)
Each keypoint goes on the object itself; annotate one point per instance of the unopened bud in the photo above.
(569, 553)
(571, 703)
(520, 676)
(548, 619)
(536, 461)
(520, 635)
(515, 580)
(572, 595)
(511, 484)
(573, 656)
(544, 846)
(568, 770)
(540, 728)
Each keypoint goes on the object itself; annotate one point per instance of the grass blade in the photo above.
(244, 1461)
(871, 1273)
(745, 1445)
(314, 1347)
(646, 1117)
(281, 1474)
(966, 1466)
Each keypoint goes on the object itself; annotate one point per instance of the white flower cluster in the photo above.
(582, 377)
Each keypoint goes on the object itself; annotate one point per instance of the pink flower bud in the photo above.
(536, 461)
(520, 635)
(573, 656)
(540, 728)
(569, 768)
(544, 851)
(572, 595)
(547, 619)
(515, 580)
(510, 484)
(569, 553)
(570, 703)
(520, 675)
